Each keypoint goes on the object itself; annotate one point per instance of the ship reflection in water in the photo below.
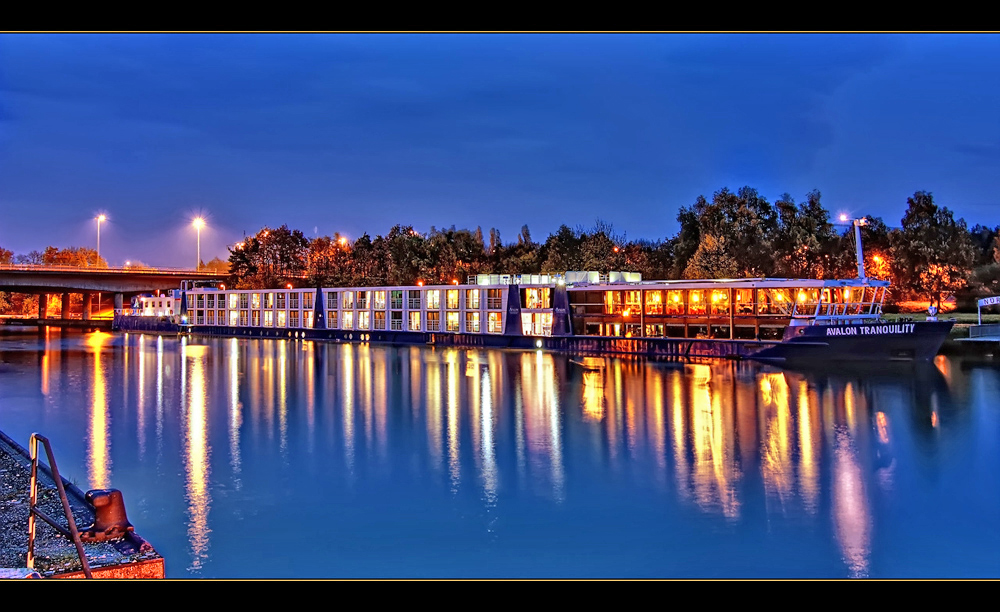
(294, 458)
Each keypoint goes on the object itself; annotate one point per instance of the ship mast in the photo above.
(858, 250)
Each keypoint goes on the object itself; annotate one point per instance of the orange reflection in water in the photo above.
(98, 438)
(196, 458)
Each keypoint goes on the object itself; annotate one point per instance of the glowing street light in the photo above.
(100, 219)
(198, 224)
(859, 252)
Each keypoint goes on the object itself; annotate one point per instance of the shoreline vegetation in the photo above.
(930, 259)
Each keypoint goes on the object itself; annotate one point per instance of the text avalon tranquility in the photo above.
(869, 330)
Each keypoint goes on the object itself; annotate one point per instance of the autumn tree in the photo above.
(933, 252)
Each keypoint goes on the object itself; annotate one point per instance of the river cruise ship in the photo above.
(770, 319)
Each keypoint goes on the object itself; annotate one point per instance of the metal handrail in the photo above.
(72, 533)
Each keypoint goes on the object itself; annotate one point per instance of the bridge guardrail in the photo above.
(123, 270)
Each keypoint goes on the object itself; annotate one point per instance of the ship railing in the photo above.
(984, 331)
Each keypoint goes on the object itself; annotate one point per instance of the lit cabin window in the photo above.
(254, 300)
(452, 320)
(380, 301)
(414, 321)
(433, 299)
(471, 298)
(472, 322)
(307, 300)
(720, 301)
(697, 302)
(281, 317)
(363, 300)
(348, 322)
(347, 301)
(495, 323)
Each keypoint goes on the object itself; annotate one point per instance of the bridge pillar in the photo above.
(65, 306)
(119, 301)
(43, 305)
(88, 299)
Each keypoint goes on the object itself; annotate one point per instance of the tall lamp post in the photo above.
(100, 219)
(859, 253)
(198, 224)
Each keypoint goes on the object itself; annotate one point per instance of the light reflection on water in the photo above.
(395, 461)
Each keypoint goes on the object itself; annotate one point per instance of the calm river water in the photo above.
(284, 458)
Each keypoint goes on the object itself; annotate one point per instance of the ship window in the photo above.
(293, 318)
(415, 321)
(255, 318)
(210, 301)
(210, 317)
(363, 301)
(380, 301)
(655, 331)
(380, 319)
(537, 297)
(654, 302)
(744, 301)
(452, 320)
(433, 321)
(472, 298)
(282, 315)
(331, 319)
(452, 301)
(413, 300)
(347, 300)
(396, 299)
(307, 319)
(433, 300)
(720, 301)
(307, 300)
(200, 301)
(254, 300)
(331, 300)
(396, 320)
(234, 318)
(363, 319)
(773, 301)
(495, 322)
(613, 302)
(494, 299)
(268, 300)
(472, 322)
(281, 301)
(675, 303)
(244, 300)
(293, 301)
(348, 322)
(268, 318)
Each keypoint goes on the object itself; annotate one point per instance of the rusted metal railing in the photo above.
(72, 533)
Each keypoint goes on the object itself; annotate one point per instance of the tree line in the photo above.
(734, 235)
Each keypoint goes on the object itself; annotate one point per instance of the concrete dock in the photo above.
(55, 555)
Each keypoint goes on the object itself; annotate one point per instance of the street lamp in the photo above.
(859, 253)
(198, 224)
(100, 219)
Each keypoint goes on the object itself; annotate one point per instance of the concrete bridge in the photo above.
(66, 280)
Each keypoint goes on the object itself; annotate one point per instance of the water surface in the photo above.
(284, 458)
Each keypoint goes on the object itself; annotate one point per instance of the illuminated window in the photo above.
(697, 302)
(268, 318)
(363, 319)
(234, 318)
(495, 323)
(233, 301)
(472, 322)
(720, 301)
(293, 300)
(380, 319)
(255, 318)
(654, 302)
(433, 299)
(537, 297)
(222, 317)
(331, 319)
(472, 298)
(452, 299)
(348, 322)
(613, 302)
(293, 318)
(281, 301)
(415, 321)
(281, 318)
(744, 301)
(307, 300)
(244, 300)
(433, 321)
(307, 319)
(494, 299)
(363, 300)
(268, 300)
(210, 317)
(675, 303)
(396, 299)
(255, 300)
(347, 300)
(379, 301)
(451, 323)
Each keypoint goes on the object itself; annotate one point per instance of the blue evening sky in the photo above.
(355, 133)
